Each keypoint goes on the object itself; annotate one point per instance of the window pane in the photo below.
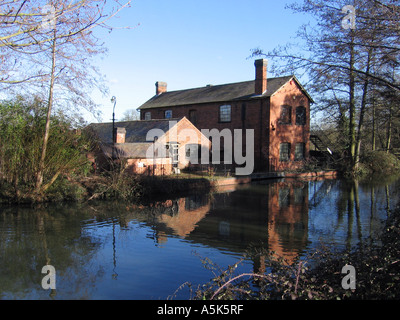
(284, 197)
(225, 113)
(286, 115)
(301, 116)
(284, 151)
(299, 151)
(193, 153)
(299, 195)
(168, 114)
(147, 116)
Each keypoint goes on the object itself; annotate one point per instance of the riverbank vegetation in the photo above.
(22, 125)
(47, 50)
(317, 277)
(68, 175)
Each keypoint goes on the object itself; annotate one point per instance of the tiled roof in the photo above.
(136, 131)
(215, 93)
(128, 150)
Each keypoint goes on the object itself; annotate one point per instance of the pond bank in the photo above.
(272, 175)
(181, 184)
(136, 188)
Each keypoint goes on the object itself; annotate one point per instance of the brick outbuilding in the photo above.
(153, 147)
(276, 109)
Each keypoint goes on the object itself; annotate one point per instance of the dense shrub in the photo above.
(380, 162)
(21, 138)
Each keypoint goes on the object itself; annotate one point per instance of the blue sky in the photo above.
(188, 44)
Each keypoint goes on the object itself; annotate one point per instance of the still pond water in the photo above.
(110, 250)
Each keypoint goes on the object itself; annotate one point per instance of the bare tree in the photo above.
(342, 61)
(131, 115)
(50, 45)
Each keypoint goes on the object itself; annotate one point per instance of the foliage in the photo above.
(21, 138)
(380, 161)
(113, 184)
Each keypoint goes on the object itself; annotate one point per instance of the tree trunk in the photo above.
(362, 112)
(352, 107)
(373, 126)
(389, 130)
(40, 172)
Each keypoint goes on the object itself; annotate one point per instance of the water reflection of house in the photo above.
(288, 219)
(188, 212)
(273, 217)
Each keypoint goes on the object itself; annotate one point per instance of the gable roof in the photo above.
(217, 93)
(136, 145)
(136, 131)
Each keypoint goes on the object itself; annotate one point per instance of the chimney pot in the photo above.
(261, 76)
(161, 87)
(119, 135)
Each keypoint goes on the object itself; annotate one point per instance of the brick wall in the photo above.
(261, 115)
(244, 115)
(157, 167)
(292, 96)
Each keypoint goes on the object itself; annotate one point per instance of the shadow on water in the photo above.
(110, 250)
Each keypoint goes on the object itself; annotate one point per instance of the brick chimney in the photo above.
(119, 135)
(261, 76)
(161, 87)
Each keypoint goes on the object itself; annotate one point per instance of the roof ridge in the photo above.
(224, 84)
(215, 93)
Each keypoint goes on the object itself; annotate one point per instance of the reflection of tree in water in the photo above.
(51, 235)
(354, 200)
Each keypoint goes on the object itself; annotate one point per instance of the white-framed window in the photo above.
(147, 115)
(225, 113)
(168, 114)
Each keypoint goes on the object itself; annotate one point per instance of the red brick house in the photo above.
(153, 147)
(277, 109)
